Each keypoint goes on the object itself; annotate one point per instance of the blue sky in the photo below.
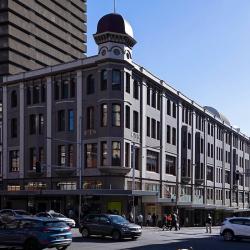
(200, 47)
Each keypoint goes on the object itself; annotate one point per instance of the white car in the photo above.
(60, 217)
(235, 228)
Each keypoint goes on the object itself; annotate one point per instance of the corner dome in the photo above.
(114, 23)
(216, 113)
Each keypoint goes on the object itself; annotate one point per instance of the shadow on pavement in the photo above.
(98, 239)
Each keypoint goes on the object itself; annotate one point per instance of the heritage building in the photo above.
(123, 133)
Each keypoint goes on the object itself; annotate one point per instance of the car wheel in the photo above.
(31, 245)
(62, 248)
(85, 233)
(116, 235)
(228, 235)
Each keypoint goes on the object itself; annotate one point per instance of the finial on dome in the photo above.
(114, 6)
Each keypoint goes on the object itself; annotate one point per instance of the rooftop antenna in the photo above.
(114, 6)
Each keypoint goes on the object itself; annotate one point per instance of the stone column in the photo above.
(163, 140)
(49, 99)
(21, 131)
(79, 94)
(5, 133)
(143, 130)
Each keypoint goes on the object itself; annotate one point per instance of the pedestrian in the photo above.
(149, 218)
(174, 222)
(169, 221)
(165, 222)
(154, 220)
(131, 217)
(209, 224)
(140, 219)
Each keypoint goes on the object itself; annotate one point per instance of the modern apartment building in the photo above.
(37, 33)
(106, 128)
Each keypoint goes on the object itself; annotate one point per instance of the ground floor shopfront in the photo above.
(114, 201)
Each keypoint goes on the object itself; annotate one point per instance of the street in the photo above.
(155, 238)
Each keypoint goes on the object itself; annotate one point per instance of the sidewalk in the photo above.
(217, 228)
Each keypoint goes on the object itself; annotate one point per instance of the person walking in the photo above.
(209, 224)
(149, 218)
(174, 222)
(140, 219)
(154, 220)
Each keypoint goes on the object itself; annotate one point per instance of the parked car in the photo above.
(14, 213)
(109, 225)
(60, 217)
(235, 228)
(33, 233)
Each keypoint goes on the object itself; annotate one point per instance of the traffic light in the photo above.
(38, 167)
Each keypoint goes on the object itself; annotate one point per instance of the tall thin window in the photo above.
(127, 82)
(72, 85)
(104, 115)
(91, 155)
(158, 100)
(41, 124)
(33, 159)
(71, 120)
(71, 156)
(152, 161)
(148, 126)
(174, 136)
(189, 141)
(28, 100)
(56, 88)
(127, 117)
(170, 165)
(43, 91)
(153, 128)
(61, 155)
(65, 88)
(14, 128)
(13, 99)
(14, 161)
(168, 134)
(61, 120)
(104, 79)
(158, 130)
(148, 95)
(36, 94)
(153, 98)
(136, 90)
(116, 153)
(116, 115)
(135, 121)
(90, 118)
(174, 110)
(104, 153)
(32, 124)
(116, 79)
(168, 107)
(90, 85)
(41, 156)
(127, 154)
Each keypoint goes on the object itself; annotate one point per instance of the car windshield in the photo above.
(20, 212)
(57, 215)
(118, 219)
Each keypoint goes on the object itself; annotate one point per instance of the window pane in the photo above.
(116, 115)
(116, 80)
(104, 115)
(71, 120)
(91, 155)
(104, 153)
(104, 79)
(116, 153)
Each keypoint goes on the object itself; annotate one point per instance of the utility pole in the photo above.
(80, 169)
(133, 181)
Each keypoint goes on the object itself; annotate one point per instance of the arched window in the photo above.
(90, 84)
(13, 99)
(104, 79)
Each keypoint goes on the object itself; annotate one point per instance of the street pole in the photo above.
(133, 182)
(80, 169)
